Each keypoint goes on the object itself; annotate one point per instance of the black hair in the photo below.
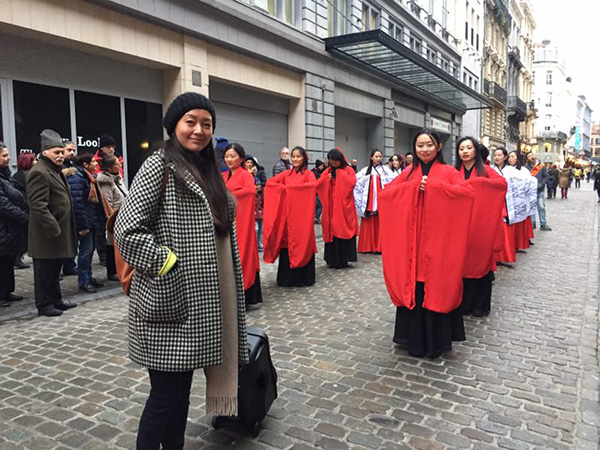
(435, 137)
(519, 159)
(400, 160)
(503, 150)
(304, 157)
(108, 161)
(237, 148)
(479, 165)
(204, 169)
(375, 150)
(335, 155)
(485, 153)
(83, 158)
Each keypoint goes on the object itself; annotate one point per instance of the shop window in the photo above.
(143, 121)
(38, 107)
(96, 114)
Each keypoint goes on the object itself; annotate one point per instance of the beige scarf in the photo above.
(222, 381)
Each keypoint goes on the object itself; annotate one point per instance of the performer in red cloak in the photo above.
(339, 222)
(430, 207)
(288, 222)
(241, 184)
(486, 219)
(369, 182)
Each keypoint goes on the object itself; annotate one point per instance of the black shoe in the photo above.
(13, 298)
(88, 288)
(19, 264)
(4, 304)
(545, 228)
(69, 273)
(64, 305)
(49, 311)
(96, 283)
(113, 278)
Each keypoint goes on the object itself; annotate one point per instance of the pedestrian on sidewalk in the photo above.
(90, 218)
(369, 182)
(25, 162)
(430, 205)
(14, 215)
(539, 171)
(524, 228)
(396, 164)
(553, 181)
(113, 189)
(577, 176)
(187, 307)
(597, 187)
(240, 182)
(289, 231)
(68, 169)
(339, 221)
(563, 182)
(52, 235)
(284, 161)
(318, 170)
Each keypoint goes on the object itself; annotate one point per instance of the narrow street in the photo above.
(527, 377)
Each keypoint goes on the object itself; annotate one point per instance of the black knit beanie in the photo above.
(106, 140)
(184, 103)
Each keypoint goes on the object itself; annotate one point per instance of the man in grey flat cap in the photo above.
(52, 236)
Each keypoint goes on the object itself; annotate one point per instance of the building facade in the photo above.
(583, 127)
(498, 24)
(595, 140)
(528, 25)
(553, 96)
(314, 73)
(516, 109)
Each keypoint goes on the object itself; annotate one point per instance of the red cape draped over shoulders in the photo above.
(241, 185)
(289, 215)
(339, 217)
(424, 237)
(486, 220)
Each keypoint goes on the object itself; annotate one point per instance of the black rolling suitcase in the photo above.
(257, 386)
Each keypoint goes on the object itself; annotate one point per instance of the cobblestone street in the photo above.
(526, 377)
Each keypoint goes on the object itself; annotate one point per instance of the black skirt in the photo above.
(254, 293)
(477, 295)
(300, 276)
(427, 333)
(340, 252)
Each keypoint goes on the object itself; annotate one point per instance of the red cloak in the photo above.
(434, 229)
(241, 185)
(486, 219)
(289, 215)
(339, 217)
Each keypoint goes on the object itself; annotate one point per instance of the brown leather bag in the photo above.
(124, 270)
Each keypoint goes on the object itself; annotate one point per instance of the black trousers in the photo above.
(165, 415)
(111, 268)
(46, 279)
(7, 275)
(101, 244)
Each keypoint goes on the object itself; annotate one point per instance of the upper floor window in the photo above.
(287, 10)
(370, 17)
(336, 17)
(431, 55)
(416, 44)
(549, 77)
(549, 99)
(445, 13)
(396, 31)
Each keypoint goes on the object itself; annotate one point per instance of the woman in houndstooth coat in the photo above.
(187, 308)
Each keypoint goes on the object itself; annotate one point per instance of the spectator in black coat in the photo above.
(25, 162)
(89, 218)
(318, 170)
(13, 228)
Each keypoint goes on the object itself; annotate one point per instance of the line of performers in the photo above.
(441, 230)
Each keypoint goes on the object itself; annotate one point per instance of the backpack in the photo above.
(125, 271)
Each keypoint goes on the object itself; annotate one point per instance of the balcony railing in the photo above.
(495, 91)
(553, 135)
(517, 105)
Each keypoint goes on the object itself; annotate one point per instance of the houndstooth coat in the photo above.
(174, 320)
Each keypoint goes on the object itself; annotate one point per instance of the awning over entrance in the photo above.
(389, 57)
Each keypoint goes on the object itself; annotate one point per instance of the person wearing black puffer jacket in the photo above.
(13, 225)
(89, 218)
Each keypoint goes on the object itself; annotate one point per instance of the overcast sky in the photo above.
(574, 26)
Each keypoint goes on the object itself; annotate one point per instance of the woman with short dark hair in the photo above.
(187, 309)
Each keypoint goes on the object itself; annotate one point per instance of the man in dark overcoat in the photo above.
(13, 220)
(52, 235)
